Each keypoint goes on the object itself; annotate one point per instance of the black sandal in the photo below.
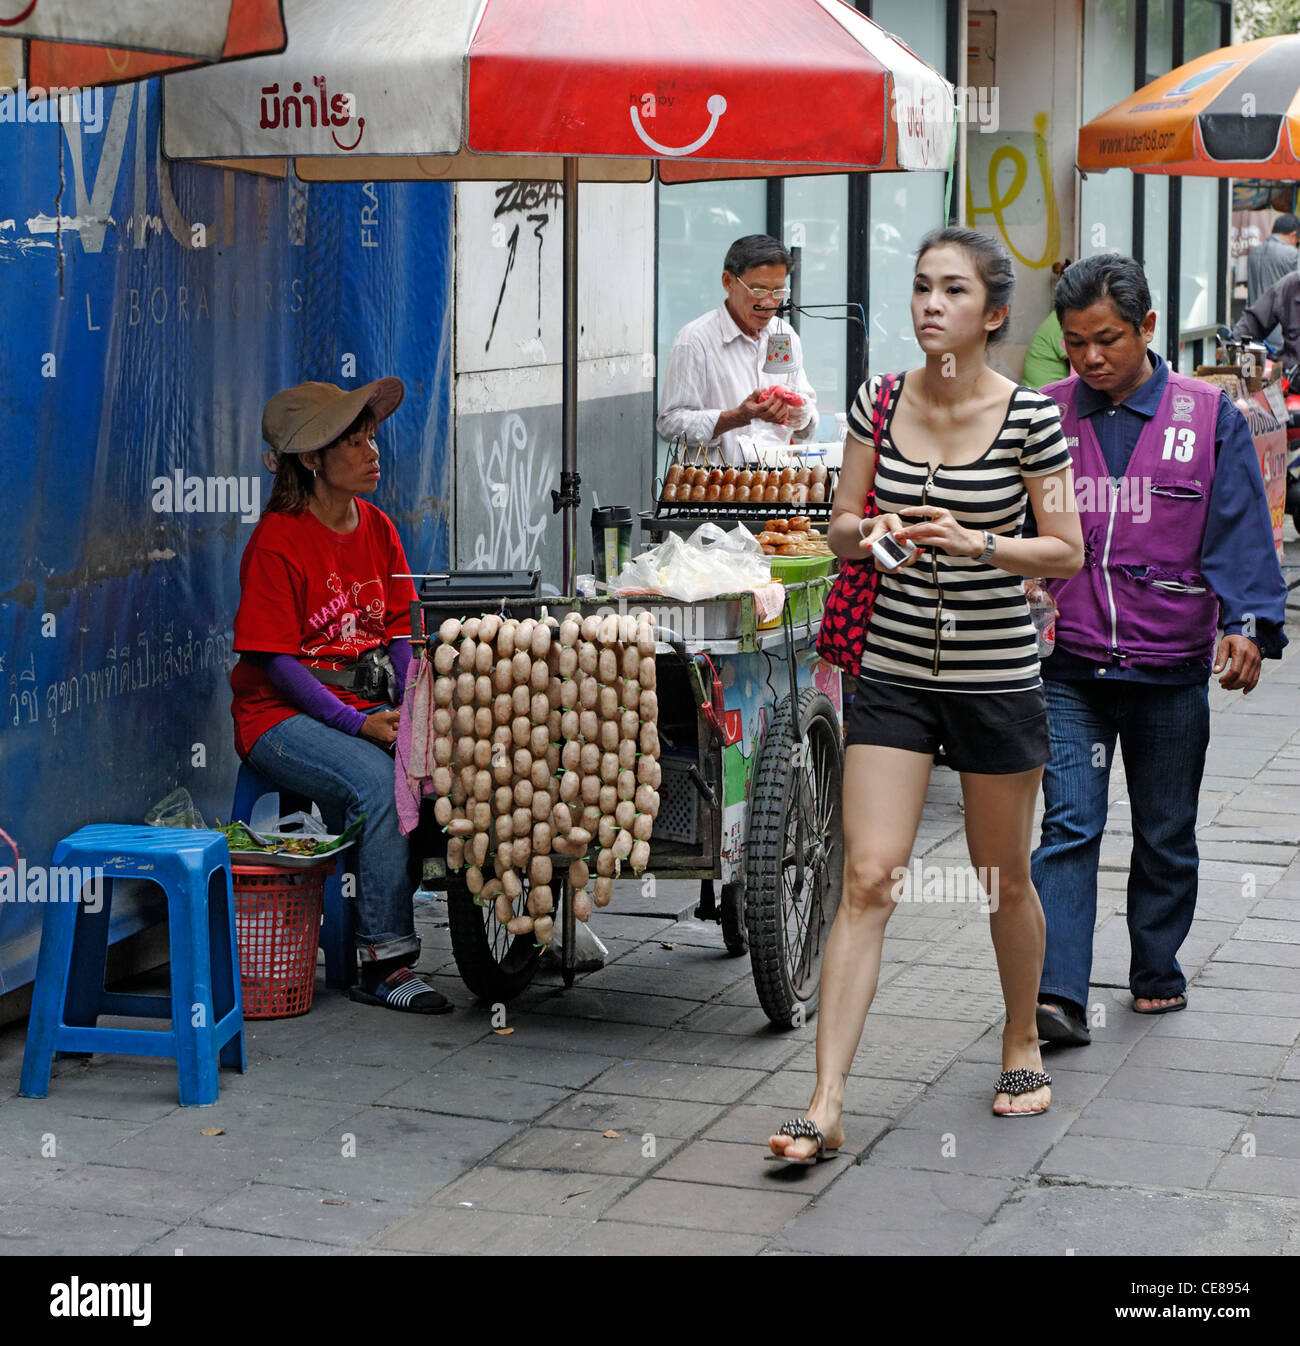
(1180, 1003)
(803, 1128)
(1016, 1082)
(404, 990)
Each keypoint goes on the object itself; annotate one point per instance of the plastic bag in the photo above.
(305, 824)
(589, 952)
(177, 810)
(708, 563)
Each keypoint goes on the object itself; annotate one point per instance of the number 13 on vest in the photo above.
(1184, 448)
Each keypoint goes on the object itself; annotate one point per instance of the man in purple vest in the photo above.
(1178, 545)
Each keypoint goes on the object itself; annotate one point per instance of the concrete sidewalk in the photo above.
(626, 1114)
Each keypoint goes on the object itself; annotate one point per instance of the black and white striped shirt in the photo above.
(949, 622)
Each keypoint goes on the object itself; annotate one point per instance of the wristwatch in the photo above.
(990, 542)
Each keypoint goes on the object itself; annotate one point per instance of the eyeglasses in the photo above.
(762, 292)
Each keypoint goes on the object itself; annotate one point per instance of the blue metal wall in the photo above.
(128, 354)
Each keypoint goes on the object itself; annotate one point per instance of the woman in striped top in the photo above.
(951, 659)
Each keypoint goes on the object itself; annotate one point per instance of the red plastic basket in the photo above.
(277, 920)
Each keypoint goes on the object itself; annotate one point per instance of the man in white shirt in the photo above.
(721, 361)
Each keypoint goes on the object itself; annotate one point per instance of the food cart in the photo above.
(751, 755)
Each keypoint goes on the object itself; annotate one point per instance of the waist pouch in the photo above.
(372, 677)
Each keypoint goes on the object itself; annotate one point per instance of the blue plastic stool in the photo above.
(337, 937)
(205, 1006)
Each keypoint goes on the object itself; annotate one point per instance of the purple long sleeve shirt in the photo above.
(314, 698)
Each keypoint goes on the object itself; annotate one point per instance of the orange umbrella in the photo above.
(69, 44)
(1232, 113)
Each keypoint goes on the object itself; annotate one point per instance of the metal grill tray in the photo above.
(674, 520)
(748, 510)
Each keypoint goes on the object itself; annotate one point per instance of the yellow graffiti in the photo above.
(1020, 173)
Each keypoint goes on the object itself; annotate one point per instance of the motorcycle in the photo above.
(1232, 350)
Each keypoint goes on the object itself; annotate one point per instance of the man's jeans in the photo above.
(349, 776)
(1163, 734)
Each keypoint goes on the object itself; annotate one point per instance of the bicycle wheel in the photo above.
(492, 962)
(795, 857)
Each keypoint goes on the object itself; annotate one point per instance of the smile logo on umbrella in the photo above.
(18, 18)
(717, 105)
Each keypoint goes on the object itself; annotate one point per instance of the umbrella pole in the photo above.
(568, 497)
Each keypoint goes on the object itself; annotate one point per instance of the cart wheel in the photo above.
(731, 912)
(492, 962)
(795, 812)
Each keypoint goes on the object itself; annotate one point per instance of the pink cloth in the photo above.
(413, 760)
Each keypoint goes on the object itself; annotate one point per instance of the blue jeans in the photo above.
(1163, 733)
(348, 776)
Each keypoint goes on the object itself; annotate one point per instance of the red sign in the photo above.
(1267, 423)
(732, 727)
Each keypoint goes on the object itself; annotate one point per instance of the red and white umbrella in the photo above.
(801, 85)
(598, 90)
(67, 43)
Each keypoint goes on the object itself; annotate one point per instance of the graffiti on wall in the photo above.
(535, 202)
(514, 479)
(1009, 177)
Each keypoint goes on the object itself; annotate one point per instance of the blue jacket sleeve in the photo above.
(1237, 556)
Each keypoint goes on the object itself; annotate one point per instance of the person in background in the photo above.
(1274, 258)
(1045, 360)
(1179, 544)
(721, 362)
(323, 634)
(1277, 309)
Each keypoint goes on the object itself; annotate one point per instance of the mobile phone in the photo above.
(890, 553)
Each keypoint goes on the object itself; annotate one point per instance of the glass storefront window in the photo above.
(1200, 233)
(1200, 28)
(698, 222)
(1106, 199)
(904, 206)
(1155, 187)
(816, 221)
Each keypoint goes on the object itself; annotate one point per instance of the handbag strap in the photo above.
(880, 407)
(879, 410)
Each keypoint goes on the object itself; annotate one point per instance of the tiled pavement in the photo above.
(624, 1115)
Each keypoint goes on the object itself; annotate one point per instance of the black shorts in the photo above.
(993, 733)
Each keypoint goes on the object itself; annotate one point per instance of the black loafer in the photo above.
(1057, 1024)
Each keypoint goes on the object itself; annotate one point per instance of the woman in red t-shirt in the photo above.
(323, 633)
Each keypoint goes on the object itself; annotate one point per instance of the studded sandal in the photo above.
(1016, 1082)
(803, 1128)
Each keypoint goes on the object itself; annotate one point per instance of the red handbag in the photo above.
(843, 633)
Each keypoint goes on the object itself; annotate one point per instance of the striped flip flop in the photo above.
(405, 991)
